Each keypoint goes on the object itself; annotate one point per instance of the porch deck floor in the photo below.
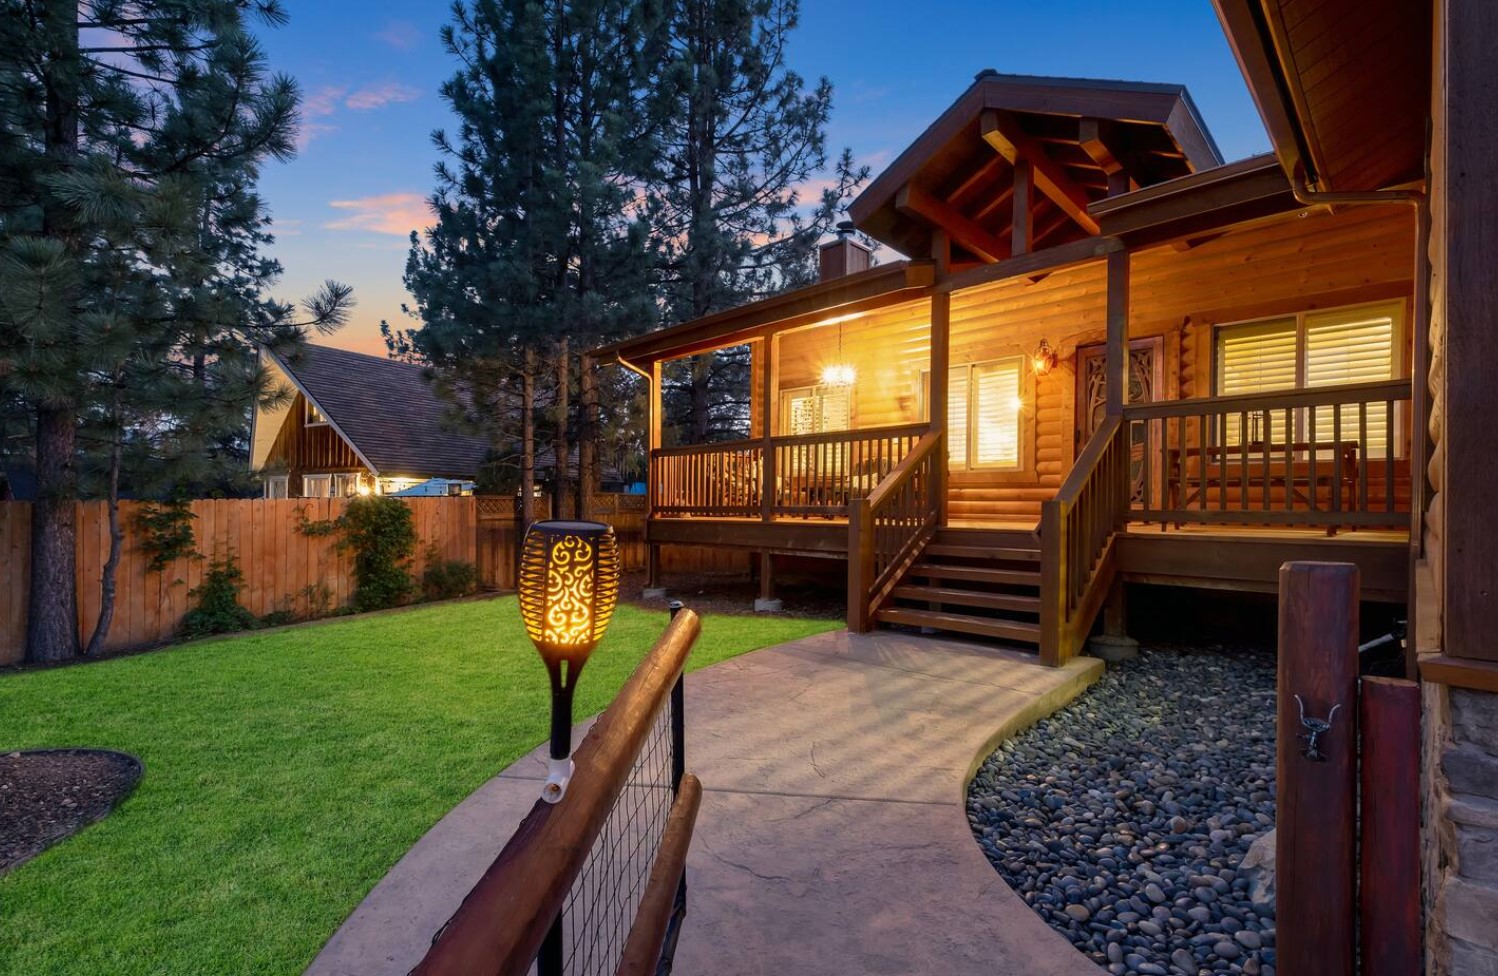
(833, 836)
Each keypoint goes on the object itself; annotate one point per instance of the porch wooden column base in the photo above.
(1113, 648)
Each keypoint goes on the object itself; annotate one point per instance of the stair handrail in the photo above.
(1077, 528)
(911, 486)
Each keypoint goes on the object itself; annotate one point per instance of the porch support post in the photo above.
(941, 362)
(766, 601)
(1022, 239)
(770, 380)
(1118, 332)
(653, 588)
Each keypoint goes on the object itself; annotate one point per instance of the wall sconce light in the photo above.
(1043, 358)
(569, 586)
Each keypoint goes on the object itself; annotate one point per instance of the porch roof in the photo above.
(1083, 138)
(878, 287)
(1351, 122)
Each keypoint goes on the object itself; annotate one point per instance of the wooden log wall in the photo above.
(284, 569)
(889, 349)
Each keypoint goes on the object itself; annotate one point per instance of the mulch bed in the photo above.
(51, 794)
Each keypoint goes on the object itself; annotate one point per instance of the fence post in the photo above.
(1390, 858)
(1316, 768)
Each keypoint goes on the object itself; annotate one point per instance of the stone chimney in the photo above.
(845, 255)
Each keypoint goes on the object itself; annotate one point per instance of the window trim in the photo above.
(1399, 309)
(311, 412)
(328, 478)
(790, 393)
(1024, 471)
(1399, 368)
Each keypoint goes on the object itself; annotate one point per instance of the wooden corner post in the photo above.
(657, 408)
(1316, 767)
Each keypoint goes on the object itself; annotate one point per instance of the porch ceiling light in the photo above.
(569, 586)
(839, 374)
(1043, 358)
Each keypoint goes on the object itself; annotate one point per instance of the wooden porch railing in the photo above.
(1325, 457)
(707, 479)
(888, 529)
(808, 475)
(1077, 529)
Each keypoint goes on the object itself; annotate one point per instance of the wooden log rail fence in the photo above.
(1332, 457)
(1077, 529)
(888, 529)
(538, 903)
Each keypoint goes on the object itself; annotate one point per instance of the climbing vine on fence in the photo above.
(166, 532)
(382, 536)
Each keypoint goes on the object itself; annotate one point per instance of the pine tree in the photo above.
(741, 135)
(537, 254)
(130, 276)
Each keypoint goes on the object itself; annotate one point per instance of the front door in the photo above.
(1145, 361)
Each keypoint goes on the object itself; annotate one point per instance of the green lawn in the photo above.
(285, 773)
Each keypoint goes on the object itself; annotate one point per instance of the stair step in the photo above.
(953, 550)
(977, 574)
(1015, 630)
(1013, 538)
(946, 595)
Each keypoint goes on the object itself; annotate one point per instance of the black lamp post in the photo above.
(569, 585)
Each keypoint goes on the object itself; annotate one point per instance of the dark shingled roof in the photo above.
(387, 410)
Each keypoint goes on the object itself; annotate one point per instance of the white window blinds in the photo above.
(818, 410)
(996, 402)
(1355, 346)
(1314, 349)
(957, 413)
(984, 414)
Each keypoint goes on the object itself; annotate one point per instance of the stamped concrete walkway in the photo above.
(832, 837)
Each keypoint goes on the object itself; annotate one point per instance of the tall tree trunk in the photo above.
(107, 585)
(527, 442)
(587, 445)
(52, 613)
(702, 374)
(560, 447)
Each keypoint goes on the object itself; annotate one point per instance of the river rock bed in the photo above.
(1123, 819)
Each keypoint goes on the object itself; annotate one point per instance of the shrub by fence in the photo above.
(285, 570)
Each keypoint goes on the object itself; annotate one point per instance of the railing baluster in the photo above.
(1243, 460)
(1363, 456)
(1315, 501)
(1337, 473)
(1389, 457)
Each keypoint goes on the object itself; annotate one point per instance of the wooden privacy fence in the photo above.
(284, 569)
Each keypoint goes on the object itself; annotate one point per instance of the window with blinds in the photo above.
(984, 413)
(817, 409)
(1313, 349)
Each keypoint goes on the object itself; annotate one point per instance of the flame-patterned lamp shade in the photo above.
(569, 585)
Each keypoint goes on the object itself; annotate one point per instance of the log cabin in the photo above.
(352, 424)
(1108, 356)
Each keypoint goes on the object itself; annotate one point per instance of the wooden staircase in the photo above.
(978, 582)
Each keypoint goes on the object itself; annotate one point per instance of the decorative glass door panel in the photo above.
(1145, 358)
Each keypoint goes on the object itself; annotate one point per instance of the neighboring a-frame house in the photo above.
(355, 425)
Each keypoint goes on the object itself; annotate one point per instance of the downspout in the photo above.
(1419, 366)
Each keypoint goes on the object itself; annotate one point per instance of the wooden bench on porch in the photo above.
(1312, 485)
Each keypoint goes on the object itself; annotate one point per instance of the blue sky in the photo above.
(370, 72)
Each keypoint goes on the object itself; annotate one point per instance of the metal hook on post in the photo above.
(1315, 729)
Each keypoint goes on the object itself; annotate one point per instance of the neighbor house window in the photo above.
(317, 486)
(345, 485)
(985, 410)
(816, 409)
(315, 416)
(277, 486)
(1306, 351)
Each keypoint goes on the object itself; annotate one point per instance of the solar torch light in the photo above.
(569, 585)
